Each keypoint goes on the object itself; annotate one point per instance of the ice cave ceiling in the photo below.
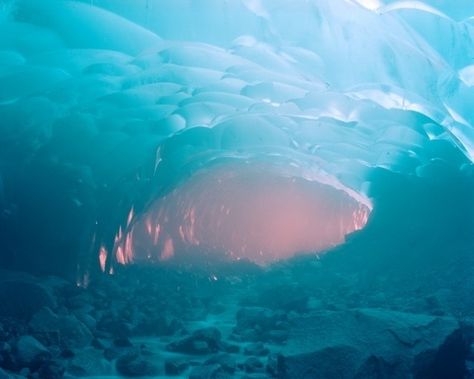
(122, 117)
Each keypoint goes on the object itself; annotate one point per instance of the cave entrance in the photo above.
(234, 211)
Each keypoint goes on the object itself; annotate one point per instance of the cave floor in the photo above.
(307, 318)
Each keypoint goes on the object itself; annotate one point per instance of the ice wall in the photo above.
(106, 105)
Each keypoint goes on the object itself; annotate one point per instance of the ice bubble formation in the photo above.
(104, 93)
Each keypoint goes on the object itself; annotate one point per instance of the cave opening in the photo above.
(259, 212)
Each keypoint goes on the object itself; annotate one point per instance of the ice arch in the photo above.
(120, 101)
(250, 210)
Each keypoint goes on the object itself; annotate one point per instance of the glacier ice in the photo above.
(125, 100)
(209, 215)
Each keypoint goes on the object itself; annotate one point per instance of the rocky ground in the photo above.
(295, 320)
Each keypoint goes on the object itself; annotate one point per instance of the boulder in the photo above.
(100, 343)
(67, 330)
(43, 322)
(3, 374)
(89, 362)
(372, 343)
(202, 341)
(21, 298)
(115, 327)
(51, 369)
(8, 357)
(3, 334)
(251, 317)
(210, 372)
(253, 365)
(274, 366)
(261, 324)
(174, 367)
(122, 342)
(257, 349)
(226, 361)
(158, 326)
(135, 364)
(87, 320)
(80, 301)
(288, 297)
(30, 352)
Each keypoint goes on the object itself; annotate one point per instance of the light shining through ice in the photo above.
(248, 211)
(240, 129)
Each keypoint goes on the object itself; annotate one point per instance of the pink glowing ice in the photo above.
(246, 212)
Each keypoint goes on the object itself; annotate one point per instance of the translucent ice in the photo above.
(245, 211)
(144, 96)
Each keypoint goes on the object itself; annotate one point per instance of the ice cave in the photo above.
(248, 189)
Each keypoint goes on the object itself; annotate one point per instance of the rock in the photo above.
(67, 330)
(372, 343)
(216, 308)
(3, 374)
(89, 362)
(276, 336)
(54, 282)
(200, 347)
(114, 352)
(122, 342)
(286, 297)
(4, 347)
(261, 324)
(226, 361)
(100, 343)
(174, 367)
(247, 335)
(230, 348)
(67, 353)
(257, 349)
(3, 334)
(469, 366)
(30, 352)
(44, 326)
(80, 301)
(41, 318)
(87, 320)
(55, 350)
(21, 298)
(52, 369)
(252, 365)
(250, 317)
(447, 361)
(274, 366)
(314, 304)
(103, 335)
(202, 341)
(209, 372)
(116, 328)
(78, 333)
(135, 364)
(25, 372)
(158, 326)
